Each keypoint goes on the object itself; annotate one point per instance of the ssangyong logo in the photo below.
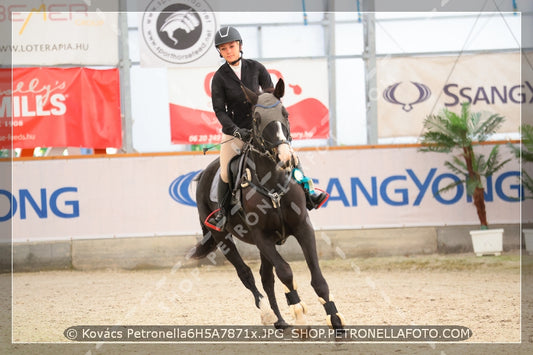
(179, 189)
(179, 32)
(407, 187)
(423, 94)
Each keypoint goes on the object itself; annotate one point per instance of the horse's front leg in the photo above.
(305, 235)
(283, 271)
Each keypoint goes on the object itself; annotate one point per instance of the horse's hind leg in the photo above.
(244, 272)
(306, 239)
(267, 279)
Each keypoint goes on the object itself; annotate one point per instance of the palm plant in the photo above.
(526, 155)
(448, 131)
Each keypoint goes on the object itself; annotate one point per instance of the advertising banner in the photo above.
(48, 32)
(410, 88)
(192, 120)
(177, 33)
(399, 187)
(52, 107)
(155, 195)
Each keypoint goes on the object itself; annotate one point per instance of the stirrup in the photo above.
(316, 201)
(216, 220)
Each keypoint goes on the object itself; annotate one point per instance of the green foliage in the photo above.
(527, 142)
(483, 167)
(448, 131)
(526, 156)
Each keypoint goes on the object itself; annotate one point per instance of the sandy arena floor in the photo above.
(482, 294)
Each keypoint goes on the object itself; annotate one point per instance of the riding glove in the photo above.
(242, 133)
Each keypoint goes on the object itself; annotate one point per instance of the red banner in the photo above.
(192, 120)
(309, 119)
(53, 107)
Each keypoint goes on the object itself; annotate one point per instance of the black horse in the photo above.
(268, 207)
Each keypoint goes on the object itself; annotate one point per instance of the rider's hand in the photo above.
(242, 133)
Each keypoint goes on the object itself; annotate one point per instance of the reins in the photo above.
(205, 149)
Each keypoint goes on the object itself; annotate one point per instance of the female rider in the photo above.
(234, 111)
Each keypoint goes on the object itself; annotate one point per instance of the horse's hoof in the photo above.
(336, 321)
(267, 315)
(268, 318)
(298, 311)
(281, 324)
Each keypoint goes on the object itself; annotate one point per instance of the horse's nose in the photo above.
(284, 155)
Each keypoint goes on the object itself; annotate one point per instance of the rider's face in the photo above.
(230, 51)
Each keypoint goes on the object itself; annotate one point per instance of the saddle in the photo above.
(237, 168)
(240, 176)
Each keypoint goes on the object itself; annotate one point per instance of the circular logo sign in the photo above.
(179, 32)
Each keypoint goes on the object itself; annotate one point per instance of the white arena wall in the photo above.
(153, 194)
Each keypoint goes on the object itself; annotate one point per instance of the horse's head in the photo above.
(271, 123)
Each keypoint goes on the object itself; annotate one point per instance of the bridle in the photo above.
(262, 118)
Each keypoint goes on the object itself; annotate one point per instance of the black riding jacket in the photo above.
(229, 102)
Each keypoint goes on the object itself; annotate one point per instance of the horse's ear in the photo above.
(250, 95)
(279, 91)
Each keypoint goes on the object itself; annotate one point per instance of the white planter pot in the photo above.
(487, 241)
(528, 238)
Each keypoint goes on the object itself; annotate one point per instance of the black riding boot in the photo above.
(224, 198)
(315, 199)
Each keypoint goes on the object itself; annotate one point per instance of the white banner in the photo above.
(46, 32)
(410, 88)
(155, 195)
(177, 33)
(397, 187)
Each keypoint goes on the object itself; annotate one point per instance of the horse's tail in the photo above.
(203, 248)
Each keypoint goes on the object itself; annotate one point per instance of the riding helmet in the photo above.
(227, 34)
